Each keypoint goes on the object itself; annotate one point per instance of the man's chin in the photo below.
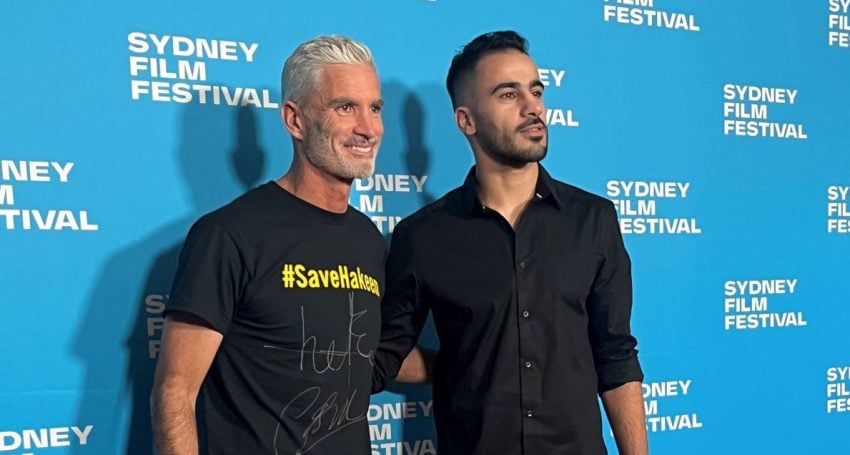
(362, 172)
(520, 158)
(534, 155)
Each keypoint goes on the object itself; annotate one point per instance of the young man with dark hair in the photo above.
(527, 278)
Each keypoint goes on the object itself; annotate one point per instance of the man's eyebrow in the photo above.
(340, 100)
(504, 85)
(346, 100)
(534, 84)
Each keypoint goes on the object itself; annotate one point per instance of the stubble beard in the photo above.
(319, 151)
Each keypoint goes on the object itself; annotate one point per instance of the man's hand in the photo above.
(418, 366)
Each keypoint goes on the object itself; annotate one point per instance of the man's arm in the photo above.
(624, 407)
(188, 349)
(617, 367)
(403, 314)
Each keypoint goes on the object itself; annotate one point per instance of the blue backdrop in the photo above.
(721, 129)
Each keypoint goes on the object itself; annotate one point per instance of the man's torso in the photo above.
(293, 369)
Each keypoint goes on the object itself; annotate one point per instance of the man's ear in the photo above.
(292, 117)
(464, 121)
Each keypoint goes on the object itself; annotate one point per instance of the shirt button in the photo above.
(528, 364)
(525, 314)
(522, 265)
(530, 413)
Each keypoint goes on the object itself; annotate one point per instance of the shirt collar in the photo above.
(545, 191)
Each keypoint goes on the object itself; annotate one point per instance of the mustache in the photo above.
(359, 141)
(530, 122)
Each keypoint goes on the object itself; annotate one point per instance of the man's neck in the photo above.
(316, 187)
(506, 189)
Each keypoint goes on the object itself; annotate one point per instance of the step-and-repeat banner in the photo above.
(721, 131)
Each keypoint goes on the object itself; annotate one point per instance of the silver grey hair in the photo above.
(301, 70)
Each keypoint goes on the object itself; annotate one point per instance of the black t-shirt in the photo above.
(295, 290)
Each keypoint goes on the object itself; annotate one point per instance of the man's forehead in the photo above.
(506, 64)
(354, 80)
(346, 70)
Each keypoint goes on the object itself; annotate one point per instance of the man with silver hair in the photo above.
(275, 304)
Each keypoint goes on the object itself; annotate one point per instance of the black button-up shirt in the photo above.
(533, 321)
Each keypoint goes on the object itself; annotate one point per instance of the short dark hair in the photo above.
(463, 63)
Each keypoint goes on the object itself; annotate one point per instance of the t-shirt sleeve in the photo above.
(210, 275)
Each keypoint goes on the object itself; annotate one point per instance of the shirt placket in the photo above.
(525, 317)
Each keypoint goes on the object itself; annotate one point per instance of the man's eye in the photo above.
(376, 109)
(345, 109)
(508, 95)
(537, 93)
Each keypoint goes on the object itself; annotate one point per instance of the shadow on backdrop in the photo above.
(403, 151)
(417, 157)
(220, 157)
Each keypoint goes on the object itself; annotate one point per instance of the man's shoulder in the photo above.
(435, 212)
(242, 217)
(568, 193)
(250, 203)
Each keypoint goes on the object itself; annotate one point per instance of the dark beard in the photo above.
(505, 151)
